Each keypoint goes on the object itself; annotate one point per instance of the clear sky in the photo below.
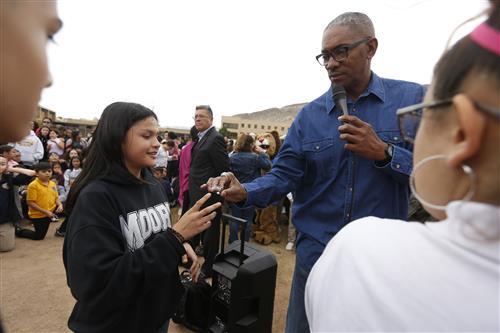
(237, 56)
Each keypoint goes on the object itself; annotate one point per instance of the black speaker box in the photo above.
(243, 285)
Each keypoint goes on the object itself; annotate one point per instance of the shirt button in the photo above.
(397, 166)
(348, 215)
(317, 147)
(395, 138)
(350, 189)
(353, 109)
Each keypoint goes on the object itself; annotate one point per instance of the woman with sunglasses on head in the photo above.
(385, 275)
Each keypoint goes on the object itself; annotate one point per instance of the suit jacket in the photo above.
(208, 159)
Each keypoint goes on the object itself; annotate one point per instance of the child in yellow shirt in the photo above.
(43, 201)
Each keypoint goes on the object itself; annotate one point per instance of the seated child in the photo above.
(43, 201)
(72, 172)
(58, 178)
(160, 175)
(7, 151)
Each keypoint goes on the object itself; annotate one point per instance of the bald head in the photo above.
(357, 21)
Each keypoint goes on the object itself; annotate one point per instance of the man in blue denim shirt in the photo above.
(341, 168)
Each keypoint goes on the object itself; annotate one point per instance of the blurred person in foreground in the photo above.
(384, 275)
(339, 167)
(26, 27)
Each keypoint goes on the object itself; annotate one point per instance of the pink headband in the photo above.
(487, 38)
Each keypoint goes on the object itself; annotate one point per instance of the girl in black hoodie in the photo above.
(121, 253)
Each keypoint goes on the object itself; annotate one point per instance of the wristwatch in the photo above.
(389, 150)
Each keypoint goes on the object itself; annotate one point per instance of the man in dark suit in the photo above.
(208, 159)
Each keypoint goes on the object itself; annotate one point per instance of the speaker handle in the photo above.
(241, 222)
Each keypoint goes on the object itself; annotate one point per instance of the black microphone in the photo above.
(339, 97)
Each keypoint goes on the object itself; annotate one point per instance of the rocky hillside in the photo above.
(274, 114)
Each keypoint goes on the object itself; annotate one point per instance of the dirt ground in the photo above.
(34, 296)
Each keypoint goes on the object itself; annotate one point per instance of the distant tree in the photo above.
(224, 132)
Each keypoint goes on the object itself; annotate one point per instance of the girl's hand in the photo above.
(196, 219)
(196, 266)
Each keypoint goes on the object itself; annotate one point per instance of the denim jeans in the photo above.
(247, 214)
(296, 319)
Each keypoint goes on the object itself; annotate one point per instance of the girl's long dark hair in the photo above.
(105, 151)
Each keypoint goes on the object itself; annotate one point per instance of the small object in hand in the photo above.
(217, 189)
(55, 218)
(199, 250)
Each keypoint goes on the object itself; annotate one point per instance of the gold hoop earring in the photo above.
(465, 168)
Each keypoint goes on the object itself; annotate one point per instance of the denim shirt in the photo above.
(247, 166)
(332, 185)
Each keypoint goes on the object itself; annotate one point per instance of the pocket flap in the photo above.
(390, 136)
(318, 145)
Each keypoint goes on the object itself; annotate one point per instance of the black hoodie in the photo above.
(121, 263)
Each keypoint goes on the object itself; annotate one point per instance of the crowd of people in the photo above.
(49, 165)
(62, 156)
(359, 265)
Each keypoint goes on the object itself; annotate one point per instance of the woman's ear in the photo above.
(469, 134)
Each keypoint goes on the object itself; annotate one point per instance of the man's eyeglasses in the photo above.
(340, 53)
(201, 116)
(409, 117)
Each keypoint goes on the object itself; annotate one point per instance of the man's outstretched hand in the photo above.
(227, 186)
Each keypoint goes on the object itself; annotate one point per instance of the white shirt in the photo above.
(69, 176)
(388, 275)
(162, 157)
(31, 149)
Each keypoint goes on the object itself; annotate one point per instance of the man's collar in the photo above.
(201, 134)
(375, 87)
